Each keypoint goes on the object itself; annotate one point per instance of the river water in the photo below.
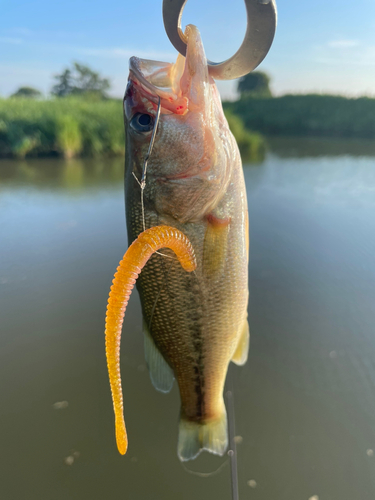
(304, 402)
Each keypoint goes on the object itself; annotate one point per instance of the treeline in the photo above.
(81, 120)
(307, 115)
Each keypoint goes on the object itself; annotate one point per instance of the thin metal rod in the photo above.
(151, 145)
(142, 182)
(232, 452)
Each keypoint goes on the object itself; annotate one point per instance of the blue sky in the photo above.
(320, 45)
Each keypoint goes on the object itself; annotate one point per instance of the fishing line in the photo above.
(232, 452)
(142, 182)
(205, 474)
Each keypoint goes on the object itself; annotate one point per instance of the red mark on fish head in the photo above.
(139, 99)
(180, 106)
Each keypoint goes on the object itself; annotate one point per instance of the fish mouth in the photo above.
(157, 80)
(182, 86)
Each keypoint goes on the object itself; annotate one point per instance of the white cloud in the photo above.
(39, 74)
(327, 78)
(104, 52)
(359, 56)
(343, 44)
(120, 52)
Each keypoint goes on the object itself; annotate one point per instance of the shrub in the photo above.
(251, 144)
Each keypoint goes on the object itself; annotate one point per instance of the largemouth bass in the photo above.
(194, 323)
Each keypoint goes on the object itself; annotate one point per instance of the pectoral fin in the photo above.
(242, 350)
(161, 373)
(215, 245)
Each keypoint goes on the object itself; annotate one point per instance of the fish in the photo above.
(194, 323)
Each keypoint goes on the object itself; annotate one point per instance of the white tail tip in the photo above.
(197, 436)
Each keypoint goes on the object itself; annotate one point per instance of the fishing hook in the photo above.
(261, 27)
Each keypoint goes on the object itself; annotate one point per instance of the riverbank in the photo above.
(77, 127)
(307, 115)
(66, 127)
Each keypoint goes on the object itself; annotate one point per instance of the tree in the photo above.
(27, 92)
(80, 80)
(254, 84)
(65, 84)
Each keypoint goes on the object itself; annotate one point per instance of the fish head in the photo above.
(189, 168)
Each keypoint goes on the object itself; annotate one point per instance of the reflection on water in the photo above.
(305, 405)
(289, 147)
(58, 174)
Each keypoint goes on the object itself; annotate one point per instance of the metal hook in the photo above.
(261, 27)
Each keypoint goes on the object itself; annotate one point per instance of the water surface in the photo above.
(305, 401)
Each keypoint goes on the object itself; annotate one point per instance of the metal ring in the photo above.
(261, 27)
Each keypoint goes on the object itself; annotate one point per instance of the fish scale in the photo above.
(189, 308)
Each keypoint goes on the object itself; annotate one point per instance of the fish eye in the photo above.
(142, 122)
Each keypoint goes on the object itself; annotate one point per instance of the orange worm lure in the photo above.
(123, 282)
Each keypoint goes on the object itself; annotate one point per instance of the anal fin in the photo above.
(161, 373)
(240, 354)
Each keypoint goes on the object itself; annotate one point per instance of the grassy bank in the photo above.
(75, 127)
(308, 115)
(252, 145)
(65, 127)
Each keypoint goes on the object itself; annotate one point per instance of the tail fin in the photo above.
(197, 436)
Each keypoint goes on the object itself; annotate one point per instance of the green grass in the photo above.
(308, 115)
(252, 145)
(69, 136)
(77, 127)
(66, 127)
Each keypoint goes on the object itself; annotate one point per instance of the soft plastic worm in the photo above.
(127, 273)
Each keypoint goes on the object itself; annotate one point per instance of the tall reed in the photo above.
(66, 127)
(308, 115)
